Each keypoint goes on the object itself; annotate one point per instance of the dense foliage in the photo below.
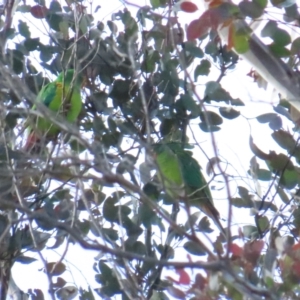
(100, 183)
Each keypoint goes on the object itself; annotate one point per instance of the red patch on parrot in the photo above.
(32, 141)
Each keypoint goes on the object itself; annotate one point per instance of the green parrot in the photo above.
(181, 175)
(61, 96)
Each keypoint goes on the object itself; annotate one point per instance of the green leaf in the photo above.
(139, 248)
(295, 49)
(25, 259)
(166, 126)
(156, 35)
(211, 118)
(239, 202)
(283, 110)
(291, 13)
(276, 123)
(16, 59)
(110, 234)
(203, 69)
(126, 164)
(194, 248)
(283, 196)
(250, 231)
(167, 199)
(155, 3)
(212, 87)
(211, 49)
(121, 91)
(204, 225)
(285, 140)
(158, 3)
(266, 118)
(24, 29)
(105, 270)
(64, 29)
(251, 9)
(55, 268)
(214, 91)
(244, 193)
(229, 113)
(54, 20)
(281, 37)
(146, 214)
(193, 49)
(269, 29)
(279, 50)
(55, 7)
(85, 23)
(191, 221)
(131, 26)
(264, 205)
(279, 162)
(31, 44)
(261, 3)
(283, 3)
(208, 128)
(189, 104)
(263, 223)
(110, 210)
(23, 8)
(289, 179)
(264, 175)
(150, 60)
(46, 52)
(111, 139)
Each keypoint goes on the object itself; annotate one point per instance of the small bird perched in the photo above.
(61, 96)
(182, 178)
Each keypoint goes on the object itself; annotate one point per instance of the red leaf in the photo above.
(188, 7)
(215, 3)
(252, 251)
(184, 277)
(55, 269)
(39, 11)
(296, 268)
(295, 251)
(296, 247)
(236, 250)
(198, 28)
(211, 18)
(200, 282)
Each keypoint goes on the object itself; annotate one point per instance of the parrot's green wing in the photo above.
(198, 190)
(47, 93)
(61, 96)
(192, 175)
(180, 167)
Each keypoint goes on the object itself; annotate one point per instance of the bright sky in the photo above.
(232, 143)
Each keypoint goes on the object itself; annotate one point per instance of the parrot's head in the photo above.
(68, 77)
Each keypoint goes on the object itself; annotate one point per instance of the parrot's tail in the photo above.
(212, 212)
